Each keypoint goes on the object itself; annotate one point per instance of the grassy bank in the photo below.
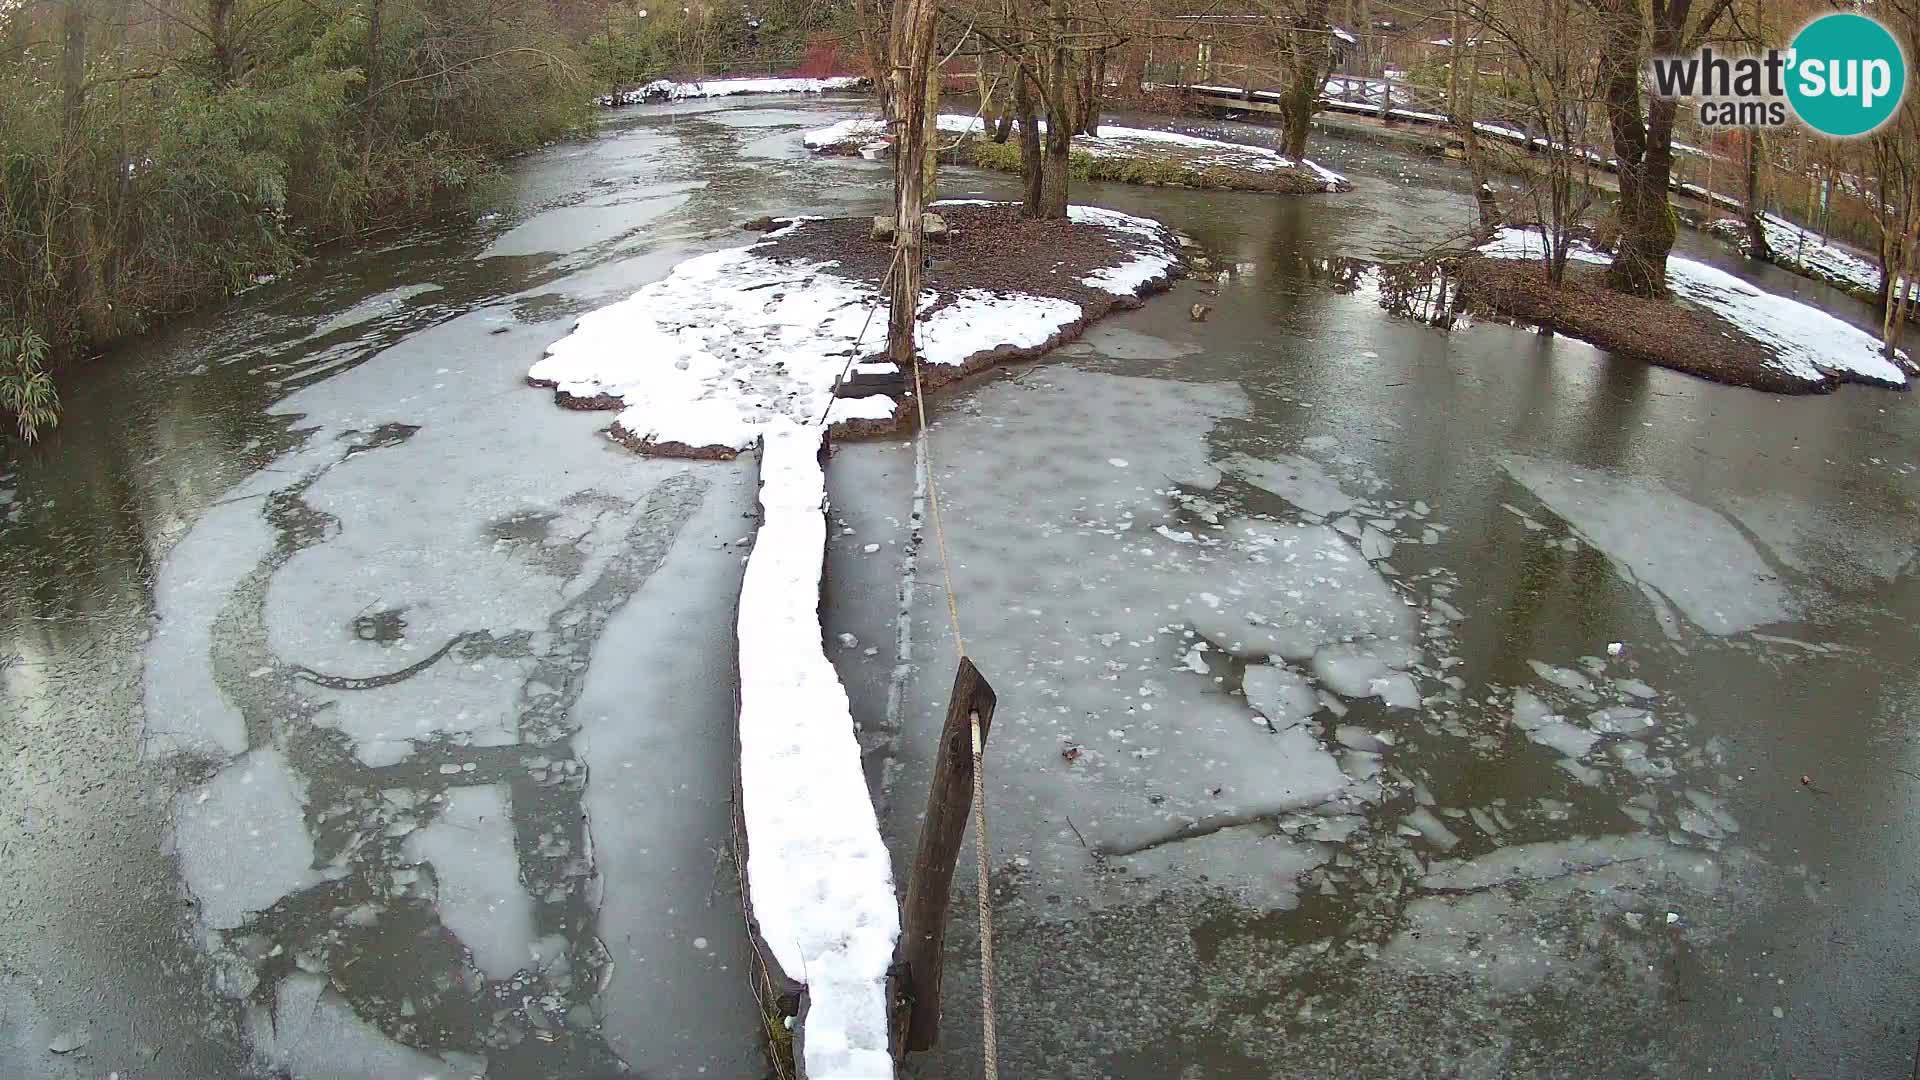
(1122, 154)
(1168, 171)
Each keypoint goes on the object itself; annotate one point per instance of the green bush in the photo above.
(158, 181)
(26, 390)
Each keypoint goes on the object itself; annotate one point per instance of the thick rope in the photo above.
(989, 1044)
(989, 1048)
(853, 354)
(933, 501)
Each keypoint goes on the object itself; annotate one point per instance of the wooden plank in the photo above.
(923, 921)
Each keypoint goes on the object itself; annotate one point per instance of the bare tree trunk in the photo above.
(1364, 32)
(1056, 169)
(913, 62)
(1456, 52)
(1307, 59)
(1057, 89)
(930, 164)
(1092, 94)
(874, 48)
(1030, 164)
(220, 33)
(1757, 246)
(1643, 132)
(1483, 198)
(1642, 142)
(1896, 286)
(376, 47)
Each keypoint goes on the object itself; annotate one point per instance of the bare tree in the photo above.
(1642, 127)
(1549, 48)
(1056, 54)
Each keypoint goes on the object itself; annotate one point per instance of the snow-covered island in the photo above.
(702, 361)
(670, 90)
(1126, 154)
(1713, 325)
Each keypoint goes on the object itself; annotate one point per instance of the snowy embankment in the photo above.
(1810, 255)
(819, 880)
(669, 90)
(702, 362)
(1114, 144)
(1803, 342)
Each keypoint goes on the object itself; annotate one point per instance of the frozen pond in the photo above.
(1374, 701)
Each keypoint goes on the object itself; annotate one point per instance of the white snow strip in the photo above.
(732, 341)
(668, 90)
(1807, 343)
(1114, 141)
(817, 871)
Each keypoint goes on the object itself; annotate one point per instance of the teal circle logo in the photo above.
(1846, 75)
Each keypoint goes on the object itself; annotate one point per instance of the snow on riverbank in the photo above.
(818, 874)
(1808, 254)
(1806, 343)
(668, 90)
(704, 360)
(1113, 142)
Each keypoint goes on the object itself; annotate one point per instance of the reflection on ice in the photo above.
(1715, 577)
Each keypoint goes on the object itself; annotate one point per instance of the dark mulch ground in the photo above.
(1667, 333)
(988, 247)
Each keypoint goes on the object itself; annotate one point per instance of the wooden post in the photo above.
(923, 920)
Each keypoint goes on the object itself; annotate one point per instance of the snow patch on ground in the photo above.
(709, 355)
(977, 319)
(1806, 343)
(818, 873)
(1154, 257)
